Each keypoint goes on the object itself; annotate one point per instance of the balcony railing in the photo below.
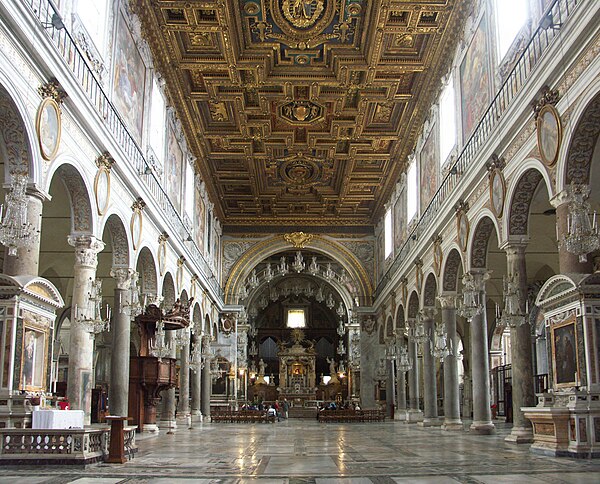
(45, 11)
(541, 39)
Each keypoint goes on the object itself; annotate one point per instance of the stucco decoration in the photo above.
(232, 251)
(430, 292)
(365, 253)
(13, 135)
(453, 264)
(521, 202)
(118, 237)
(583, 142)
(147, 271)
(413, 305)
(481, 237)
(168, 291)
(81, 208)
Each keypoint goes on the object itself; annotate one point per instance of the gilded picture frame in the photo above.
(34, 355)
(48, 128)
(102, 189)
(549, 134)
(565, 357)
(462, 230)
(497, 192)
(135, 226)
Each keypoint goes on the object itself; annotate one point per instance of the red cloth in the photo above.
(63, 405)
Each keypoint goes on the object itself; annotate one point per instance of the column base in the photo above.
(430, 422)
(482, 428)
(168, 424)
(520, 435)
(414, 416)
(401, 415)
(453, 425)
(151, 429)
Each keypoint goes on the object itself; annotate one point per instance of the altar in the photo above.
(57, 419)
(297, 375)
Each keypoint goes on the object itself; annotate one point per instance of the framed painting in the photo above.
(497, 191)
(565, 364)
(462, 230)
(475, 80)
(135, 225)
(429, 168)
(48, 128)
(549, 134)
(33, 359)
(129, 80)
(102, 189)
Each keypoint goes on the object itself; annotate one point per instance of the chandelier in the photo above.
(341, 329)
(330, 302)
(314, 268)
(341, 351)
(512, 314)
(15, 230)
(253, 280)
(340, 310)
(470, 305)
(196, 364)
(269, 273)
(419, 335)
(403, 362)
(283, 266)
(182, 337)
(329, 273)
(298, 264)
(440, 347)
(133, 308)
(91, 320)
(159, 347)
(582, 229)
(253, 351)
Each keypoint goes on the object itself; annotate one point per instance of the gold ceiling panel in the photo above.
(302, 112)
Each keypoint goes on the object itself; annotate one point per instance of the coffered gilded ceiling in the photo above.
(301, 112)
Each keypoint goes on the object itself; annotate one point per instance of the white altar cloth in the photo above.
(57, 419)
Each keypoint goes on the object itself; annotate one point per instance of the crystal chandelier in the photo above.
(253, 351)
(341, 330)
(314, 268)
(253, 280)
(269, 273)
(582, 229)
(15, 230)
(340, 310)
(419, 334)
(440, 347)
(196, 364)
(320, 297)
(252, 332)
(391, 349)
(283, 266)
(329, 273)
(403, 362)
(330, 302)
(512, 314)
(92, 320)
(182, 337)
(298, 264)
(341, 350)
(344, 277)
(470, 305)
(159, 347)
(133, 308)
(243, 294)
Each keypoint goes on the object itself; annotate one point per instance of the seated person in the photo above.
(271, 412)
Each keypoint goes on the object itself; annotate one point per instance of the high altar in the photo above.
(297, 377)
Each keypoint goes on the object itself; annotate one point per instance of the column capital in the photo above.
(563, 197)
(515, 245)
(428, 312)
(123, 276)
(479, 276)
(87, 248)
(447, 301)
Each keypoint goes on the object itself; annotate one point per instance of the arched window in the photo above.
(93, 15)
(511, 15)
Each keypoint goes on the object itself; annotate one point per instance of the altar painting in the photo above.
(564, 354)
(33, 357)
(475, 81)
(129, 80)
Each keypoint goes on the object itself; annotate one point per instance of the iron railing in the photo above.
(560, 11)
(45, 12)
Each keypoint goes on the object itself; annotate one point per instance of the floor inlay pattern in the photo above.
(306, 452)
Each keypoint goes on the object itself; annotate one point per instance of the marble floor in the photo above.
(306, 452)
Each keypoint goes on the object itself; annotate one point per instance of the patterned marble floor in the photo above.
(306, 452)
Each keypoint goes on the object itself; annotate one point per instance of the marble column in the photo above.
(521, 352)
(196, 388)
(430, 414)
(167, 418)
(80, 379)
(183, 406)
(389, 389)
(452, 419)
(27, 260)
(480, 362)
(206, 380)
(401, 393)
(568, 263)
(121, 329)
(414, 413)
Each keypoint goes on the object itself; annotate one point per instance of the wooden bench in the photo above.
(242, 416)
(337, 416)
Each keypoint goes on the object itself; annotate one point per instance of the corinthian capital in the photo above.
(428, 312)
(478, 278)
(86, 249)
(122, 276)
(447, 301)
